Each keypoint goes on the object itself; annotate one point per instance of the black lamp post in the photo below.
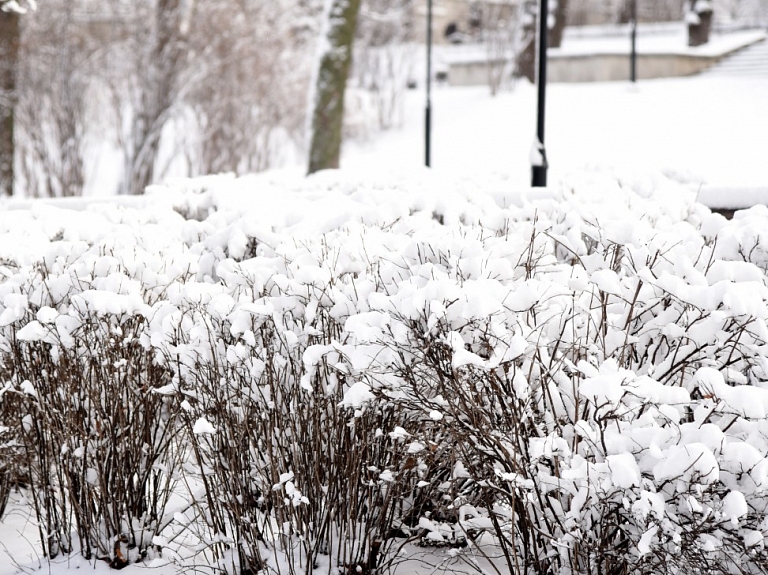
(633, 53)
(428, 110)
(539, 163)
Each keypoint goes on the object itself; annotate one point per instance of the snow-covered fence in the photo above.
(353, 369)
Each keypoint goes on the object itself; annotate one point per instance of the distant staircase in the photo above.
(749, 61)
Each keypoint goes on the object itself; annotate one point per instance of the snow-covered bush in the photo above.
(580, 373)
(351, 372)
(289, 473)
(99, 444)
(12, 467)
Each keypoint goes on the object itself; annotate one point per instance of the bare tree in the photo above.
(248, 101)
(557, 25)
(55, 76)
(227, 80)
(526, 60)
(160, 89)
(383, 58)
(9, 55)
(502, 31)
(149, 65)
(751, 12)
(660, 11)
(328, 103)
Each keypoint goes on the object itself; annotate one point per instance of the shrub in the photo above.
(536, 389)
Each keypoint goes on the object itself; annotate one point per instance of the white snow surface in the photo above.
(710, 132)
(675, 42)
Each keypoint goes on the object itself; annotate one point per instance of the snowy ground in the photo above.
(699, 129)
(673, 40)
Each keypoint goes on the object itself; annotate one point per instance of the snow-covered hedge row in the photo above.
(315, 373)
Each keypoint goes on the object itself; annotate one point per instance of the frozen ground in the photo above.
(699, 129)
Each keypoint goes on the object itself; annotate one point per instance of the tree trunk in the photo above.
(555, 36)
(328, 105)
(526, 60)
(699, 26)
(9, 56)
(158, 94)
(625, 14)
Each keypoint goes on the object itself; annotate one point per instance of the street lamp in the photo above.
(633, 53)
(428, 110)
(539, 163)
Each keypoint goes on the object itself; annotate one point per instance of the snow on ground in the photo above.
(675, 41)
(698, 129)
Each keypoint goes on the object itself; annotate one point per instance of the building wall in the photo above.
(594, 68)
(615, 67)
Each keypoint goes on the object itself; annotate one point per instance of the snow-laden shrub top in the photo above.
(592, 360)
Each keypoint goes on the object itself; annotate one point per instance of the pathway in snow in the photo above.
(702, 129)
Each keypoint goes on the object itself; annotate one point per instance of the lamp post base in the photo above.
(428, 135)
(539, 179)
